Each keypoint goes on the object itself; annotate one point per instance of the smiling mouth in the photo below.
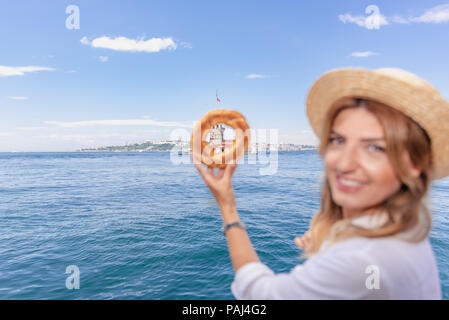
(348, 185)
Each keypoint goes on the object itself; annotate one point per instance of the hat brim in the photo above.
(421, 103)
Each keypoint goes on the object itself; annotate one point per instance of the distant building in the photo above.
(216, 137)
(217, 140)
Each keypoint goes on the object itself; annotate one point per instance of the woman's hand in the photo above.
(304, 241)
(220, 185)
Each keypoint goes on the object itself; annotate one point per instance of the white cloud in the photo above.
(362, 21)
(103, 58)
(132, 45)
(257, 76)
(85, 41)
(18, 98)
(32, 128)
(400, 20)
(132, 122)
(66, 136)
(6, 71)
(359, 20)
(186, 45)
(71, 141)
(438, 14)
(363, 54)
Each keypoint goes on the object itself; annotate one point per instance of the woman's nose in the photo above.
(348, 159)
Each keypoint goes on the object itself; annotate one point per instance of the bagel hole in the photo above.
(220, 137)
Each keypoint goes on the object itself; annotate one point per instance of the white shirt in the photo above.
(355, 268)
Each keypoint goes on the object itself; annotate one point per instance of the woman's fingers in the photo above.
(226, 172)
(198, 167)
(202, 172)
(299, 242)
(307, 236)
(229, 170)
(303, 241)
(220, 173)
(209, 176)
(210, 171)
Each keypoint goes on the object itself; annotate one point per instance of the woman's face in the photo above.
(358, 169)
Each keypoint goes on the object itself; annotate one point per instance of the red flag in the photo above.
(218, 100)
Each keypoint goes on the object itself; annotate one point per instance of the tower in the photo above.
(216, 138)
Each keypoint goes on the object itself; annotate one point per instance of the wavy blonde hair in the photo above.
(407, 208)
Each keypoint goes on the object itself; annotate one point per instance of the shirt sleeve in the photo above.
(329, 275)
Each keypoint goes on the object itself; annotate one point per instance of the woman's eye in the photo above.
(335, 140)
(375, 147)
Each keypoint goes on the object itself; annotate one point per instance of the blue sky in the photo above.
(56, 91)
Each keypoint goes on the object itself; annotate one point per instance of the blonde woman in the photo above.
(383, 138)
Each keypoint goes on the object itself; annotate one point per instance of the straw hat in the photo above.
(396, 88)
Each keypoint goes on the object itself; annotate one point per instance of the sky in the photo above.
(80, 74)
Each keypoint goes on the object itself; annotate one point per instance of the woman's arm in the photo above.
(241, 250)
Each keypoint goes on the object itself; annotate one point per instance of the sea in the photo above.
(143, 226)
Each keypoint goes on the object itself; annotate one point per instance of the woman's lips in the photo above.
(348, 185)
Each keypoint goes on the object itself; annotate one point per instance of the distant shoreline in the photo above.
(101, 151)
(179, 146)
(184, 147)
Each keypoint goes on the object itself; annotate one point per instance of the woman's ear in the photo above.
(414, 170)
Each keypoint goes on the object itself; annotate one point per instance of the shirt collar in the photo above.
(370, 221)
(367, 221)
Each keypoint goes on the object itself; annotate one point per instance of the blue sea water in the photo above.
(139, 227)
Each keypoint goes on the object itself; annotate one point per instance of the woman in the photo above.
(383, 139)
